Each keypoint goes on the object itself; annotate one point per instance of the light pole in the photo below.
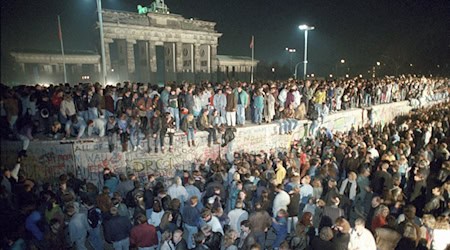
(306, 28)
(337, 67)
(102, 40)
(290, 51)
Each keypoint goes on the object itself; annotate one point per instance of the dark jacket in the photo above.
(182, 245)
(340, 241)
(319, 244)
(203, 122)
(294, 206)
(155, 124)
(214, 240)
(231, 103)
(228, 136)
(191, 215)
(381, 181)
(80, 103)
(94, 101)
(117, 228)
(189, 102)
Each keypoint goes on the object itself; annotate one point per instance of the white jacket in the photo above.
(362, 241)
(281, 201)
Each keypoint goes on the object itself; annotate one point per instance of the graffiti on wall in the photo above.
(45, 161)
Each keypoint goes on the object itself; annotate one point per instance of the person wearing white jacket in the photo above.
(281, 201)
(361, 238)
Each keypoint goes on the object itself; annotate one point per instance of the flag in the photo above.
(252, 42)
(59, 30)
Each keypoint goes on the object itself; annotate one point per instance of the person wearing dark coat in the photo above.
(382, 180)
(213, 240)
(155, 129)
(323, 241)
(293, 208)
(117, 230)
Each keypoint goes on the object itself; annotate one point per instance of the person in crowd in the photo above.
(361, 237)
(134, 128)
(189, 127)
(258, 102)
(237, 215)
(242, 98)
(78, 227)
(269, 105)
(279, 225)
(205, 124)
(211, 221)
(220, 103)
(178, 241)
(96, 126)
(168, 127)
(155, 130)
(213, 240)
(377, 157)
(117, 230)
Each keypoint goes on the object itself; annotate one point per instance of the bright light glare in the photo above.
(305, 27)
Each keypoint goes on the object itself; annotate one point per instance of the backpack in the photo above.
(129, 199)
(94, 217)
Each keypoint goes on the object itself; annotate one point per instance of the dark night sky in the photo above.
(362, 32)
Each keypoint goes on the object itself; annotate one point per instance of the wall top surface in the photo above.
(45, 58)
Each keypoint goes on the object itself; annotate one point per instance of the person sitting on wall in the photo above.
(205, 124)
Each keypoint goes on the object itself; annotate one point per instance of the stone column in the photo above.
(213, 58)
(192, 58)
(152, 65)
(209, 59)
(107, 56)
(130, 56)
(179, 57)
(152, 56)
(197, 57)
(22, 67)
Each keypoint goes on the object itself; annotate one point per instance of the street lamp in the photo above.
(337, 67)
(290, 51)
(102, 40)
(306, 28)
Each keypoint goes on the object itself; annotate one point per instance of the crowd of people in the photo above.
(133, 112)
(377, 187)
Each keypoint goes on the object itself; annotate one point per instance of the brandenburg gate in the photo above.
(157, 46)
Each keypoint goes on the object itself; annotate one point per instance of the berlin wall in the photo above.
(86, 158)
